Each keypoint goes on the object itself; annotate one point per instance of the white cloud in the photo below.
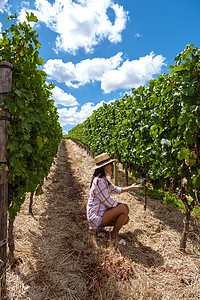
(93, 69)
(73, 117)
(3, 5)
(80, 24)
(113, 73)
(59, 71)
(132, 74)
(119, 24)
(86, 71)
(138, 35)
(60, 97)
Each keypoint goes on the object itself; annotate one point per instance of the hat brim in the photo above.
(107, 163)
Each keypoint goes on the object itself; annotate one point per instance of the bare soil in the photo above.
(57, 257)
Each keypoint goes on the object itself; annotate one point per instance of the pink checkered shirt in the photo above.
(99, 200)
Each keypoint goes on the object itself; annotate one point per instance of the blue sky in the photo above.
(97, 50)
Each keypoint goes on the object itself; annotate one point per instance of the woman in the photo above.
(102, 210)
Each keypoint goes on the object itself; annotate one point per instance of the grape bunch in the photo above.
(144, 181)
(129, 165)
(178, 195)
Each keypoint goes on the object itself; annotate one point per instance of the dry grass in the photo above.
(58, 258)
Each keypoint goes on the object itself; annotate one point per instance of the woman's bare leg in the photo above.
(118, 216)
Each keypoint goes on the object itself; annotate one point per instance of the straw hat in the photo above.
(102, 160)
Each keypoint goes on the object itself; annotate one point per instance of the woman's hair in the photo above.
(99, 173)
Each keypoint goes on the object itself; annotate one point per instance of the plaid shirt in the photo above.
(99, 200)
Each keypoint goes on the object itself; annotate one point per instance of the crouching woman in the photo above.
(102, 210)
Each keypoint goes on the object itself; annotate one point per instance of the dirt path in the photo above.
(58, 258)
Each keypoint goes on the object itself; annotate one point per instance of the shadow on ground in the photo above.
(56, 248)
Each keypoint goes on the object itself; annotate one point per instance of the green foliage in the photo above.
(157, 128)
(34, 132)
(171, 199)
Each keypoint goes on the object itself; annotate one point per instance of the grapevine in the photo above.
(34, 132)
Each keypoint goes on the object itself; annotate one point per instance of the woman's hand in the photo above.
(136, 186)
(131, 187)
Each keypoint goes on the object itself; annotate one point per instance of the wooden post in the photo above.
(31, 204)
(115, 173)
(126, 174)
(5, 88)
(145, 198)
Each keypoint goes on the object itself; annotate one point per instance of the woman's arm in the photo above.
(131, 187)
